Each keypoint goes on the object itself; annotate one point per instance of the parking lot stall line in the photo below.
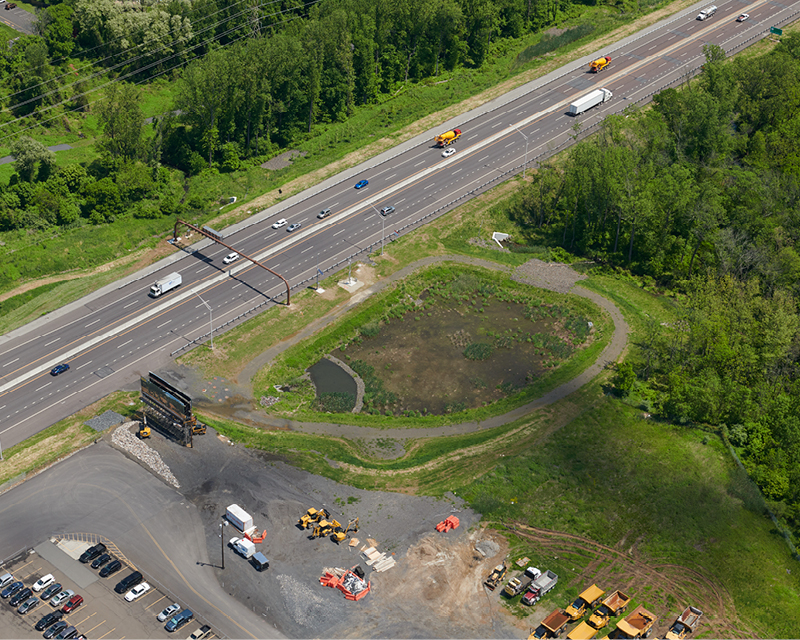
(156, 602)
(105, 634)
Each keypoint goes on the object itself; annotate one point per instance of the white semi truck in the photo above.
(167, 283)
(598, 96)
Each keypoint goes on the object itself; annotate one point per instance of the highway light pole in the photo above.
(383, 226)
(524, 166)
(222, 541)
(210, 321)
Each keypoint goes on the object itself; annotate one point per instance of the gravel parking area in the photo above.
(288, 594)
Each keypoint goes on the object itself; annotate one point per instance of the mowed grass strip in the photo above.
(64, 437)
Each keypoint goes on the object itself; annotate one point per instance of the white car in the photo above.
(448, 152)
(743, 17)
(231, 257)
(170, 611)
(280, 223)
(44, 582)
(138, 590)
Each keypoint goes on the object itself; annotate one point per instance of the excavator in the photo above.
(324, 528)
(311, 517)
(144, 430)
(339, 535)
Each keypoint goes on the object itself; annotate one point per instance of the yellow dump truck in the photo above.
(582, 632)
(584, 602)
(552, 626)
(598, 65)
(638, 624)
(685, 624)
(448, 137)
(613, 605)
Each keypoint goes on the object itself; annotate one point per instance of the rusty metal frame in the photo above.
(218, 240)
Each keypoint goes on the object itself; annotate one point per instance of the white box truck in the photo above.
(167, 283)
(239, 518)
(598, 96)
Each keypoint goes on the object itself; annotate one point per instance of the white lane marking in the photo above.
(391, 176)
(307, 249)
(456, 171)
(12, 362)
(338, 232)
(43, 386)
(130, 304)
(432, 184)
(510, 144)
(164, 324)
(419, 163)
(483, 158)
(86, 326)
(124, 343)
(399, 201)
(52, 342)
(498, 124)
(83, 365)
(208, 266)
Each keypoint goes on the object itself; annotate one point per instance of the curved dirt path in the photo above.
(536, 273)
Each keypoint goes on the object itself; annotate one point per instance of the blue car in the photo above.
(59, 368)
(12, 589)
(361, 184)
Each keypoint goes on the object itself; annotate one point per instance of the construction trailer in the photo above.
(239, 518)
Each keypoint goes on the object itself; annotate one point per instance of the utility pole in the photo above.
(383, 226)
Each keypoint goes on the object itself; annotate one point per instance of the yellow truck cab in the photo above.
(588, 599)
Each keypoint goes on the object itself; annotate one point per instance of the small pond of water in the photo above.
(329, 377)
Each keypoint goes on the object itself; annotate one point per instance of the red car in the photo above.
(73, 603)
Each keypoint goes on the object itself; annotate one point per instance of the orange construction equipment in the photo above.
(345, 583)
(451, 522)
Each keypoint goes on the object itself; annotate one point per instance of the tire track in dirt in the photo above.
(685, 584)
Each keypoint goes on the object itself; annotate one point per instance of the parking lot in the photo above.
(104, 613)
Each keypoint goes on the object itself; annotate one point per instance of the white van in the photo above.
(707, 12)
(44, 582)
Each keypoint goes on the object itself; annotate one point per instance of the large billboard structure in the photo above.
(169, 409)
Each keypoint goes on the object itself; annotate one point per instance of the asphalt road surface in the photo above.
(119, 333)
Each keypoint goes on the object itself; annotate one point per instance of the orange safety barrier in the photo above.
(255, 538)
(451, 522)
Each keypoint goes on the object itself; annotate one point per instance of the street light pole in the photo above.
(383, 226)
(222, 542)
(524, 166)
(210, 319)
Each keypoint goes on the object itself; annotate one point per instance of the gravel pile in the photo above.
(268, 401)
(306, 607)
(124, 439)
(487, 548)
(106, 420)
(547, 275)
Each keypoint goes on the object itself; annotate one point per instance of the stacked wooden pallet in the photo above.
(377, 560)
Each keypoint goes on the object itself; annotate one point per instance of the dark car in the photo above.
(55, 629)
(46, 621)
(361, 184)
(293, 227)
(73, 603)
(52, 590)
(66, 634)
(129, 582)
(12, 5)
(179, 620)
(21, 597)
(28, 605)
(11, 589)
(112, 567)
(101, 560)
(59, 368)
(387, 210)
(92, 552)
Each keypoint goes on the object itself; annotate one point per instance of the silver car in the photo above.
(29, 605)
(170, 611)
(62, 597)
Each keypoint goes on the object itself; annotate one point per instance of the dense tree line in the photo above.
(701, 192)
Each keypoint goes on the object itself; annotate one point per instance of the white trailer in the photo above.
(598, 96)
(239, 518)
(162, 285)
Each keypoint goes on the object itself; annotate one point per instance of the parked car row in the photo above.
(65, 601)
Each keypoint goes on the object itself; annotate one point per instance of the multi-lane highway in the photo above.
(113, 336)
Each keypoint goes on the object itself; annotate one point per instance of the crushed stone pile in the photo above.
(123, 438)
